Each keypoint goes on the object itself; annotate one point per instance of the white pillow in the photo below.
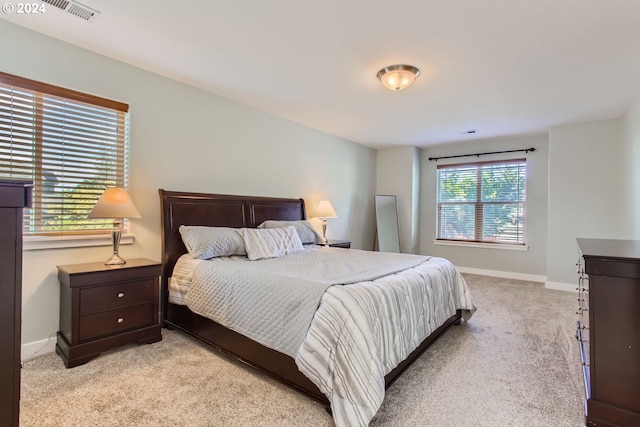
(208, 242)
(305, 229)
(270, 242)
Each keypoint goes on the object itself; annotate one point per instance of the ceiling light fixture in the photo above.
(398, 77)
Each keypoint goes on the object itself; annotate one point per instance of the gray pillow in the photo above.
(209, 242)
(305, 230)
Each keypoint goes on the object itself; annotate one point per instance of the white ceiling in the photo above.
(500, 67)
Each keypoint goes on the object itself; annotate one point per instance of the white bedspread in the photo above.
(272, 301)
(361, 332)
(355, 334)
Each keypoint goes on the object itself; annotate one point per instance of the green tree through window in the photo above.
(482, 202)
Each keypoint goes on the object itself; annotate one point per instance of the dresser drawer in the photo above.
(582, 334)
(114, 321)
(582, 309)
(119, 295)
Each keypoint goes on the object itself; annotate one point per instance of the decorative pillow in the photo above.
(305, 229)
(270, 242)
(209, 242)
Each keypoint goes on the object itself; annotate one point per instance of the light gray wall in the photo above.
(584, 191)
(530, 262)
(185, 139)
(630, 162)
(397, 173)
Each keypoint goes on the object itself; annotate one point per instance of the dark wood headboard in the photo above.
(219, 210)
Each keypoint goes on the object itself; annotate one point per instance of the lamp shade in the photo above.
(398, 77)
(325, 210)
(114, 203)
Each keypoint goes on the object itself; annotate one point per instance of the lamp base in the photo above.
(115, 260)
(324, 232)
(116, 233)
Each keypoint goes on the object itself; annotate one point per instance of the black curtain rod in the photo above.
(526, 150)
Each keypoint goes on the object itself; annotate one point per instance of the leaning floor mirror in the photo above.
(388, 236)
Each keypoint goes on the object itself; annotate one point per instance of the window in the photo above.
(71, 145)
(482, 202)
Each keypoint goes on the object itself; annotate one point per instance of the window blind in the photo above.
(72, 145)
(482, 202)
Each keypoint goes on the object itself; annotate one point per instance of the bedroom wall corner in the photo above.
(584, 191)
(530, 262)
(398, 173)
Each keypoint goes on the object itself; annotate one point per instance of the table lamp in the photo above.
(115, 203)
(325, 210)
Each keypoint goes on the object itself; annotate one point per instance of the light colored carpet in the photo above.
(515, 363)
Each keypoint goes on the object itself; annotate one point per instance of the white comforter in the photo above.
(361, 332)
(358, 333)
(272, 301)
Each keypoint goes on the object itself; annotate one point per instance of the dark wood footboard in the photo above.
(237, 346)
(277, 365)
(402, 366)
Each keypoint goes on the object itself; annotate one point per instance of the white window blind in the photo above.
(72, 145)
(482, 202)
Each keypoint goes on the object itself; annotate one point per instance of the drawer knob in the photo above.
(120, 294)
(120, 320)
(581, 325)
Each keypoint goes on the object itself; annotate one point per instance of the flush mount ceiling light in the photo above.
(398, 77)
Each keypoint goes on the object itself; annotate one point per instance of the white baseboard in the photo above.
(36, 348)
(559, 286)
(567, 287)
(503, 274)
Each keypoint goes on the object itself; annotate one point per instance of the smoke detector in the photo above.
(74, 8)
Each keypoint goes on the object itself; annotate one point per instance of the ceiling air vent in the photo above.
(74, 8)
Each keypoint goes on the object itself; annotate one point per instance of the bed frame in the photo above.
(183, 208)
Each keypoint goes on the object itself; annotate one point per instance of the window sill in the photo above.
(483, 245)
(34, 243)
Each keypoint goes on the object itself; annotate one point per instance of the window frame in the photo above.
(64, 237)
(478, 207)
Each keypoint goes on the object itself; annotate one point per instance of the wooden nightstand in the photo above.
(339, 244)
(107, 306)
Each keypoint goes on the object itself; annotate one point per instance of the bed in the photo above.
(214, 210)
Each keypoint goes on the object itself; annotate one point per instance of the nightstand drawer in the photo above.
(114, 321)
(104, 298)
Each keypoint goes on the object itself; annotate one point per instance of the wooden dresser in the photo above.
(14, 196)
(609, 330)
